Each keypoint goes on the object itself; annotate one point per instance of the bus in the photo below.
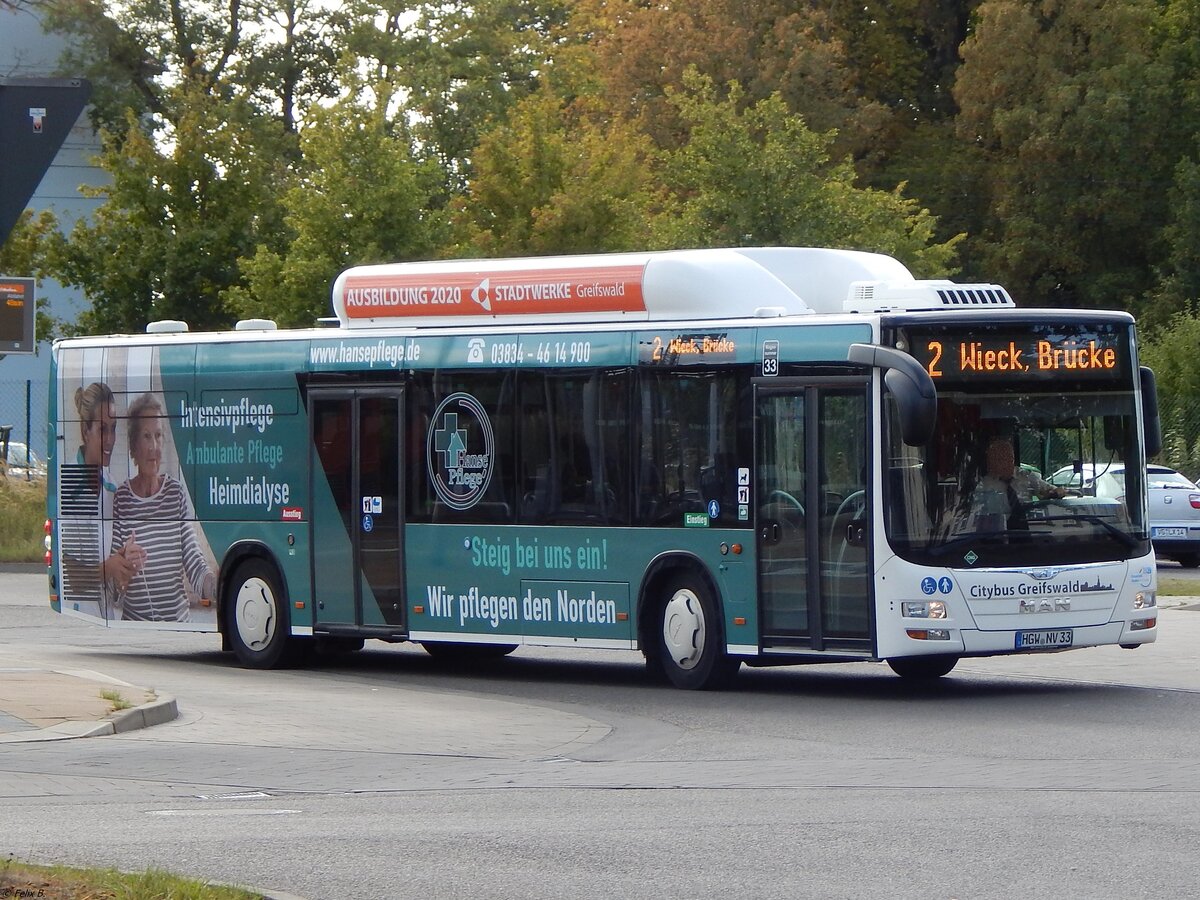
(767, 456)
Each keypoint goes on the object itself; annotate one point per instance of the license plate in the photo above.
(1044, 640)
(1168, 532)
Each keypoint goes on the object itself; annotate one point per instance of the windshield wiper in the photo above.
(1123, 536)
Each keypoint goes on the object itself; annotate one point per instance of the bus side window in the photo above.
(574, 447)
(690, 445)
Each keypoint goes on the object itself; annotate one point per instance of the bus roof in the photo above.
(671, 284)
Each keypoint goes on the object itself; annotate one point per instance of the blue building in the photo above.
(27, 51)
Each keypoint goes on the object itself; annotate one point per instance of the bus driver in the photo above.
(1006, 487)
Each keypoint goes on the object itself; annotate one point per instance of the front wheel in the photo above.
(923, 667)
(690, 650)
(257, 618)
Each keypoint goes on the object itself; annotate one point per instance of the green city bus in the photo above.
(766, 456)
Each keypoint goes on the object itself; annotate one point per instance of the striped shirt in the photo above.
(162, 525)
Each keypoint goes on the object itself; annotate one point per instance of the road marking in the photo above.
(232, 811)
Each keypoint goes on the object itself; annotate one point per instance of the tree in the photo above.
(176, 217)
(197, 105)
(794, 49)
(273, 56)
(557, 178)
(461, 64)
(360, 197)
(759, 175)
(1070, 102)
(1170, 350)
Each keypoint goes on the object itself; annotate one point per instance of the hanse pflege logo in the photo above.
(460, 450)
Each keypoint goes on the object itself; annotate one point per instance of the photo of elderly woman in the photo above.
(153, 520)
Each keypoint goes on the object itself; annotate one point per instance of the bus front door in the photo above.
(812, 441)
(357, 518)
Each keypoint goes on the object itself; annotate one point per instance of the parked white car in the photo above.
(1174, 505)
(22, 466)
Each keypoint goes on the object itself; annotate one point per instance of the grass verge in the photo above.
(19, 879)
(23, 508)
(1169, 586)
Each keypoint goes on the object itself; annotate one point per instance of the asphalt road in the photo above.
(554, 774)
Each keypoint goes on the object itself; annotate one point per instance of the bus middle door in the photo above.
(812, 440)
(357, 523)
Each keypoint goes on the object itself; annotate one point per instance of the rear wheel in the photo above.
(1188, 560)
(691, 649)
(923, 667)
(257, 619)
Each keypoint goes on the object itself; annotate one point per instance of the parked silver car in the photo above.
(1174, 505)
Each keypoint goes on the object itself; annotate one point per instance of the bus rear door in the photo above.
(812, 438)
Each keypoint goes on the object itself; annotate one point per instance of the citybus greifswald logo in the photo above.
(460, 451)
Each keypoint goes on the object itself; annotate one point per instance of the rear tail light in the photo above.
(1194, 499)
(48, 541)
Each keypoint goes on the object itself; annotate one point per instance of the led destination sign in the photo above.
(1037, 352)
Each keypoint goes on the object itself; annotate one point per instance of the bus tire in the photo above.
(257, 618)
(691, 649)
(923, 667)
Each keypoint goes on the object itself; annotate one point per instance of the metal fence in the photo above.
(23, 408)
(1180, 418)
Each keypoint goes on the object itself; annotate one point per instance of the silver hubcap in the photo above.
(683, 629)
(254, 611)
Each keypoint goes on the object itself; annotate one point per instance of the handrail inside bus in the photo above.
(910, 384)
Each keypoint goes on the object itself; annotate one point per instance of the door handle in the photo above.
(856, 533)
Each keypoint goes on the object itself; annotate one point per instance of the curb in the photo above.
(158, 711)
(163, 709)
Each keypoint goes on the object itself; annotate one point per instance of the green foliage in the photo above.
(257, 149)
(271, 55)
(552, 179)
(1179, 273)
(178, 214)
(759, 176)
(360, 197)
(1072, 102)
(1170, 351)
(462, 65)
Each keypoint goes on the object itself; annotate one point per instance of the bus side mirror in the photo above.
(910, 384)
(1151, 426)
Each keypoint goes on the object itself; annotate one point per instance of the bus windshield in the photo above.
(1020, 472)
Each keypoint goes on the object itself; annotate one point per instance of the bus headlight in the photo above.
(1145, 600)
(923, 609)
